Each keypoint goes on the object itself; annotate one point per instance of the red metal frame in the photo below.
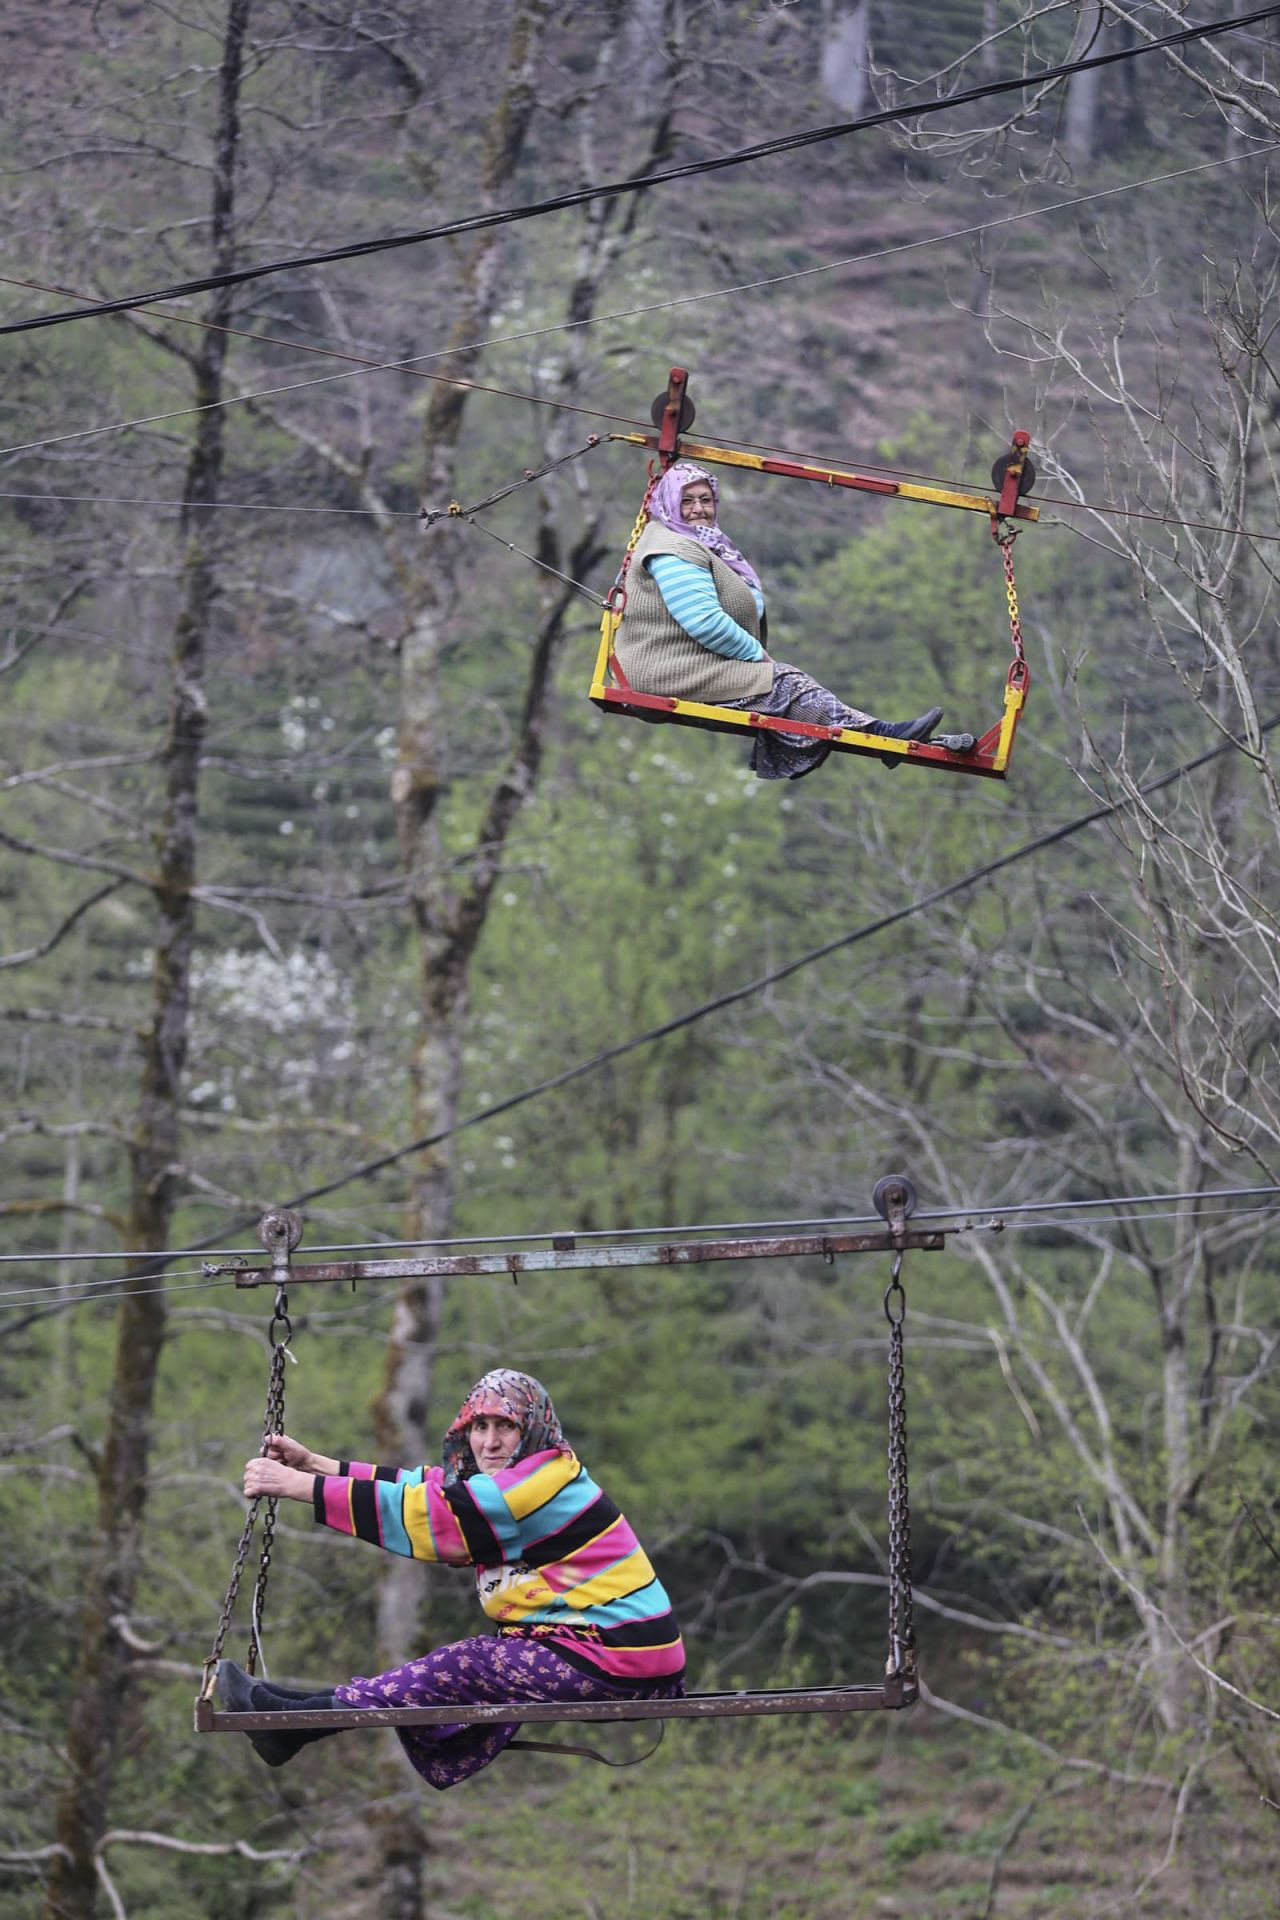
(657, 706)
(985, 760)
(1007, 505)
(669, 431)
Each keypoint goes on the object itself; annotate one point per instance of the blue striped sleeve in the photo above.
(395, 1537)
(488, 1498)
(691, 599)
(558, 1512)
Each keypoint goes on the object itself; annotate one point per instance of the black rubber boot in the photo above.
(239, 1692)
(918, 729)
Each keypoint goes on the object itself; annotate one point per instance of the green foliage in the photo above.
(915, 1838)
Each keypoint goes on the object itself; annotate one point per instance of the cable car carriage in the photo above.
(1012, 477)
(898, 1686)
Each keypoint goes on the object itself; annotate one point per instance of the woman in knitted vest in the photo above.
(695, 627)
(579, 1612)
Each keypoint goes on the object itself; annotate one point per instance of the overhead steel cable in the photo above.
(640, 183)
(123, 1285)
(1104, 509)
(527, 478)
(967, 1216)
(367, 1169)
(775, 974)
(45, 1301)
(232, 506)
(412, 366)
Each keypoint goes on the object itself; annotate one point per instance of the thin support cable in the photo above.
(587, 593)
(123, 1289)
(712, 1228)
(178, 506)
(615, 189)
(429, 515)
(426, 515)
(775, 974)
(582, 1068)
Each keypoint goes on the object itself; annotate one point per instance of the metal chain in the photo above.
(616, 598)
(902, 1633)
(228, 1605)
(1004, 538)
(273, 1422)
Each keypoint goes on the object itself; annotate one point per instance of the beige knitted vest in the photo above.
(656, 653)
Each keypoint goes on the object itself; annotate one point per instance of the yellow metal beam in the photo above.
(832, 476)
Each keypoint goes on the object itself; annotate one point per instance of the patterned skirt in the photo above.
(470, 1673)
(796, 695)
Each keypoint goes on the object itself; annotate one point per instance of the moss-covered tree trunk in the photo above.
(112, 1572)
(417, 787)
(449, 918)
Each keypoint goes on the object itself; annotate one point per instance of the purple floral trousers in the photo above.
(472, 1672)
(796, 695)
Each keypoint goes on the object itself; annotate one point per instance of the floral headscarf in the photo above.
(510, 1396)
(664, 507)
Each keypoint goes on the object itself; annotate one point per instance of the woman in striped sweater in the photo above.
(695, 627)
(579, 1612)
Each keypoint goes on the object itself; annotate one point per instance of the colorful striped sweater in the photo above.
(552, 1553)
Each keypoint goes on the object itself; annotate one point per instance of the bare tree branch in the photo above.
(27, 954)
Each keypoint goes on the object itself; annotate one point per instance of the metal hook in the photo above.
(895, 1308)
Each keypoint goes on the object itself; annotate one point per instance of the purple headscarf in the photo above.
(510, 1396)
(664, 507)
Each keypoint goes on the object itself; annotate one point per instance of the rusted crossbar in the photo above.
(564, 1255)
(894, 1691)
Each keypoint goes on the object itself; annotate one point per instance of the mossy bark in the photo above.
(103, 1665)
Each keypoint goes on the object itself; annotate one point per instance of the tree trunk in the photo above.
(988, 64)
(844, 65)
(1079, 132)
(400, 1413)
(102, 1676)
(450, 922)
(1173, 1679)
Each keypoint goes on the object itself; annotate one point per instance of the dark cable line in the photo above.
(1002, 1217)
(412, 364)
(736, 994)
(579, 1071)
(715, 1228)
(785, 143)
(583, 1067)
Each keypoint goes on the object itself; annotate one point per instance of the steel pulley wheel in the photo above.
(894, 1190)
(282, 1228)
(688, 412)
(1026, 479)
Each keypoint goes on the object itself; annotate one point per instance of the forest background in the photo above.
(313, 847)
